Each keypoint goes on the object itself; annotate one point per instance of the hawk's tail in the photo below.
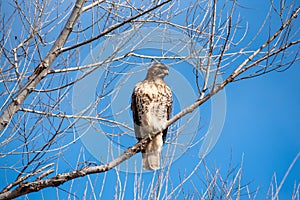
(151, 155)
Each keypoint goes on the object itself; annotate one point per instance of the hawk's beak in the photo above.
(166, 71)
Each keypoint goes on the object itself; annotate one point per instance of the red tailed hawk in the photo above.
(151, 106)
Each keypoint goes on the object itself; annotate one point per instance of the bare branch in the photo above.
(42, 70)
(25, 188)
(76, 117)
(114, 27)
(285, 176)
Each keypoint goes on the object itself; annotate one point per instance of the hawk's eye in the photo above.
(162, 68)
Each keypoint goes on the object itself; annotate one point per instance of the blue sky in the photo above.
(262, 121)
(261, 128)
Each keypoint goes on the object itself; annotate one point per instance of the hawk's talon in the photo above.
(149, 135)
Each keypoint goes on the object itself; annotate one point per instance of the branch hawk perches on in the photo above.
(151, 107)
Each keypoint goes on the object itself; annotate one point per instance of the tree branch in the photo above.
(65, 116)
(112, 28)
(42, 69)
(34, 186)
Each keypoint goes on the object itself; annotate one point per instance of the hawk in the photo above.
(151, 106)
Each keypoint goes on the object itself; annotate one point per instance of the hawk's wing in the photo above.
(134, 107)
(169, 110)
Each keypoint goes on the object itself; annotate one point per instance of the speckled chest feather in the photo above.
(153, 101)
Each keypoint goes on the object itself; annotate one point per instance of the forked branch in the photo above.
(42, 69)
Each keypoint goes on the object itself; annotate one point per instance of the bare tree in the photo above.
(43, 44)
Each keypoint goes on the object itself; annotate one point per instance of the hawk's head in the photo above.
(158, 70)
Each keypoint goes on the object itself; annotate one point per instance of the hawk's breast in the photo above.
(153, 99)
